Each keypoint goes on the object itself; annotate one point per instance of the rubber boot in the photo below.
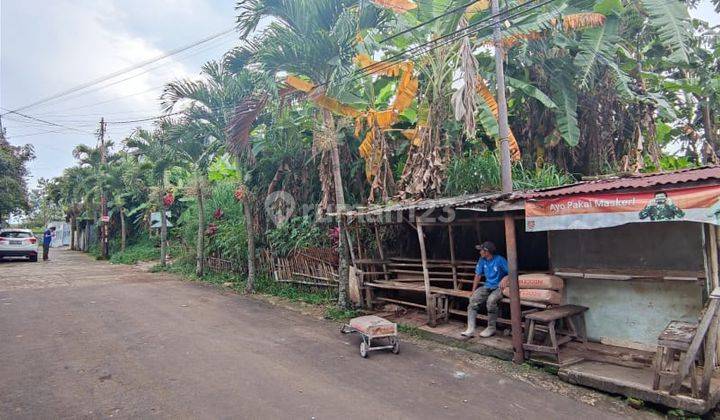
(492, 325)
(472, 320)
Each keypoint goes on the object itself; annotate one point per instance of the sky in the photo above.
(48, 47)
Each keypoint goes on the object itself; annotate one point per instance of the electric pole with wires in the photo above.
(507, 188)
(104, 219)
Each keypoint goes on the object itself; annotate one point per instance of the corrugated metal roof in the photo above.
(426, 204)
(628, 182)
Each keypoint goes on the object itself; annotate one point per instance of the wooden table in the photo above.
(547, 321)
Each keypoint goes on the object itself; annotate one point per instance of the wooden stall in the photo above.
(637, 256)
(641, 251)
(429, 263)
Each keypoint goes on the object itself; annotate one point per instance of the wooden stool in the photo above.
(546, 321)
(673, 342)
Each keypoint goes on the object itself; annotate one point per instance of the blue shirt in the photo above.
(47, 237)
(493, 269)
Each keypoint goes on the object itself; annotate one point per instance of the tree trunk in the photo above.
(200, 256)
(86, 245)
(709, 127)
(73, 232)
(163, 227)
(343, 269)
(123, 232)
(247, 210)
(282, 168)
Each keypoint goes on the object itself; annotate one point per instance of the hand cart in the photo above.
(372, 327)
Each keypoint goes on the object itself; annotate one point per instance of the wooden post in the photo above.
(359, 243)
(506, 172)
(380, 250)
(426, 275)
(515, 309)
(715, 281)
(349, 241)
(452, 256)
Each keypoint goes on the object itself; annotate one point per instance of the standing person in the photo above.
(47, 239)
(493, 268)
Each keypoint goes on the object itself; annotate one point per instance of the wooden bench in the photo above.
(547, 320)
(439, 296)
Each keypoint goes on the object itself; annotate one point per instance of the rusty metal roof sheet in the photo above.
(707, 173)
(427, 204)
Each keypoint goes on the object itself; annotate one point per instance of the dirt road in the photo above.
(80, 338)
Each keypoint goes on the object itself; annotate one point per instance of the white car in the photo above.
(18, 243)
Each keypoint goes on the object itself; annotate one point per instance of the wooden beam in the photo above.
(378, 242)
(691, 354)
(710, 357)
(426, 276)
(452, 255)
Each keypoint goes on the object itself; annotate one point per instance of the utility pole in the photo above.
(103, 199)
(507, 188)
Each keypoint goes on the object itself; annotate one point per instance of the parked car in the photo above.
(18, 243)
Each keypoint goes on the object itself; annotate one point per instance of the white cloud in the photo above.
(47, 47)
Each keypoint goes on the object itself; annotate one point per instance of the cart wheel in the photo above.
(363, 349)
(396, 346)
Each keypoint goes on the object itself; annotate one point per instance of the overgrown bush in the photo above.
(224, 221)
(145, 249)
(298, 233)
(480, 172)
(225, 213)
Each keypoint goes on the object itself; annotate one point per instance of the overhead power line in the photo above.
(30, 117)
(429, 21)
(123, 71)
(124, 79)
(443, 40)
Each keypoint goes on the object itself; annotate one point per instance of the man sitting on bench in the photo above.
(494, 268)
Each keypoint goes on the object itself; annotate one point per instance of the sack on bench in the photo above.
(537, 295)
(536, 281)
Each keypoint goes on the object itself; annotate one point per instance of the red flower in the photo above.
(169, 199)
(211, 229)
(218, 213)
(334, 234)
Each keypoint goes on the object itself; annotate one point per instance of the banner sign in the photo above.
(599, 210)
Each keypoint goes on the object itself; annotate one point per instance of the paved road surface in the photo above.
(80, 338)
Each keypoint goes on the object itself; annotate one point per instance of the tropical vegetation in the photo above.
(338, 103)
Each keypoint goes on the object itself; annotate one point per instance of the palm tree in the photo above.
(98, 179)
(314, 39)
(224, 105)
(126, 186)
(153, 151)
(195, 148)
(65, 192)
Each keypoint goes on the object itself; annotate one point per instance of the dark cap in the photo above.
(487, 246)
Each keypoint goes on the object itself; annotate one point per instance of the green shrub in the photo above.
(145, 250)
(297, 233)
(298, 293)
(337, 314)
(480, 172)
